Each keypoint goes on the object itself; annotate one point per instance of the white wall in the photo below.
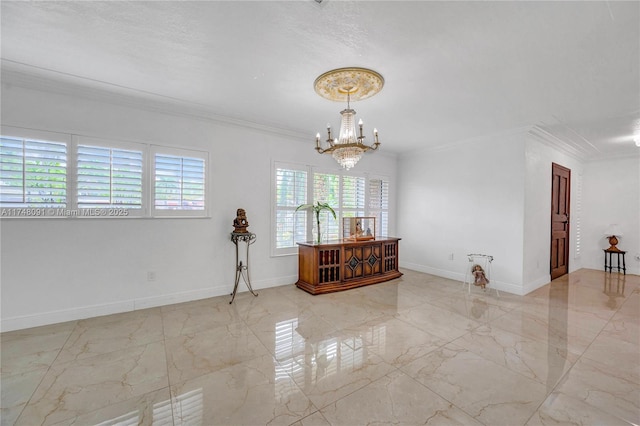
(56, 270)
(613, 197)
(493, 195)
(537, 221)
(465, 199)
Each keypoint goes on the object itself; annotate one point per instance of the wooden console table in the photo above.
(343, 264)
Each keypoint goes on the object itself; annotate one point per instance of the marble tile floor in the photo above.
(416, 350)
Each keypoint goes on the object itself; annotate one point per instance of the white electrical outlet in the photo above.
(151, 276)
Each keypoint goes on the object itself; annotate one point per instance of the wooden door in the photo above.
(560, 208)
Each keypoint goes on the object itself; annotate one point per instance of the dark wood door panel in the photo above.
(560, 211)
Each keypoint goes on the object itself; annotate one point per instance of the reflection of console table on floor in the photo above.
(342, 264)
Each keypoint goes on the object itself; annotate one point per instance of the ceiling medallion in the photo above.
(353, 82)
(347, 84)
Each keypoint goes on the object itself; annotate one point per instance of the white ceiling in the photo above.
(453, 70)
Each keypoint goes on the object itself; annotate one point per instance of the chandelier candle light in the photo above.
(348, 84)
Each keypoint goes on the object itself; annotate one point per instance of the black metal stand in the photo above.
(608, 264)
(242, 270)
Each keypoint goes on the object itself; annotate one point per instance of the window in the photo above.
(290, 192)
(33, 173)
(577, 214)
(353, 191)
(45, 174)
(345, 194)
(179, 183)
(109, 177)
(379, 204)
(349, 196)
(326, 189)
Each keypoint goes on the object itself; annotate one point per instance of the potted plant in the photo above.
(317, 208)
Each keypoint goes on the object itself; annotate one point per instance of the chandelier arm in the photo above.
(326, 150)
(348, 145)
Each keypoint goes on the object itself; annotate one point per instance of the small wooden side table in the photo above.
(608, 260)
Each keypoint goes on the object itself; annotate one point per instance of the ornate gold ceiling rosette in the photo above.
(357, 83)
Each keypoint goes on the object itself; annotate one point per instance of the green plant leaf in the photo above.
(304, 206)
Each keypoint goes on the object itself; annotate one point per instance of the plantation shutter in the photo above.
(33, 173)
(109, 177)
(179, 183)
(291, 191)
(326, 189)
(379, 204)
(353, 192)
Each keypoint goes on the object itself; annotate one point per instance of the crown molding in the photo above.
(549, 139)
(574, 150)
(534, 132)
(476, 140)
(28, 77)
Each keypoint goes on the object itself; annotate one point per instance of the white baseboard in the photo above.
(185, 296)
(536, 284)
(54, 317)
(433, 271)
(84, 312)
(457, 276)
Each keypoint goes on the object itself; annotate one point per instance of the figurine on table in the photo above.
(240, 223)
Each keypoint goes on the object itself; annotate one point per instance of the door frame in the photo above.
(554, 167)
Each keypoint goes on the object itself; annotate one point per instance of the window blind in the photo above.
(179, 183)
(577, 217)
(353, 194)
(33, 173)
(379, 204)
(109, 177)
(326, 189)
(291, 191)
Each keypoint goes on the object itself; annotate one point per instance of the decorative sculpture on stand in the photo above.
(480, 278)
(240, 223)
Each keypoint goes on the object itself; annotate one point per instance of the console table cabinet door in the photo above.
(390, 257)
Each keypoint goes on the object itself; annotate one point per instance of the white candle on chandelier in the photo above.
(318, 140)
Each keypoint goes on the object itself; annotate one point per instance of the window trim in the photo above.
(108, 143)
(387, 210)
(41, 136)
(287, 251)
(311, 172)
(184, 153)
(71, 210)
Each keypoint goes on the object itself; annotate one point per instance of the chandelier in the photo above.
(348, 84)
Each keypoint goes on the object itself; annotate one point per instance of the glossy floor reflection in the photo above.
(416, 350)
